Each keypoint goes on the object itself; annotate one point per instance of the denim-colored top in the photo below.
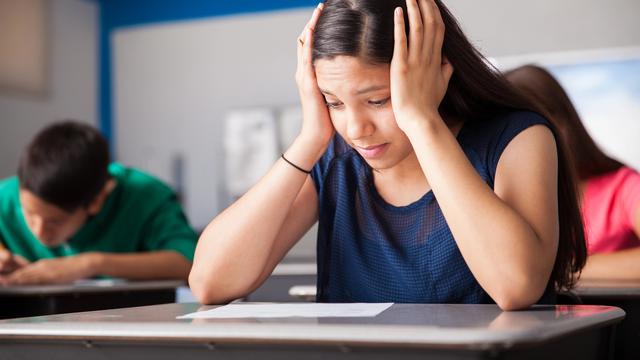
(371, 251)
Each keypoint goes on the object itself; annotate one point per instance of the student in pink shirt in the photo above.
(610, 190)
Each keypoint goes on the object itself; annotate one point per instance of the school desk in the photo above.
(284, 276)
(84, 295)
(623, 294)
(403, 331)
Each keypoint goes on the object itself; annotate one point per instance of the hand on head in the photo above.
(419, 73)
(316, 125)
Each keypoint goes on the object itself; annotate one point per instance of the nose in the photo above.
(38, 227)
(359, 125)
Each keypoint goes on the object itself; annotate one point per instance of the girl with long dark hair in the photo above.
(610, 190)
(432, 179)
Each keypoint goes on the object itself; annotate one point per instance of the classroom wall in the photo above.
(72, 81)
(174, 82)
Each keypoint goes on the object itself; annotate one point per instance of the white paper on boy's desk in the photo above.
(314, 310)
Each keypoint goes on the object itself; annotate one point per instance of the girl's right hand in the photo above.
(317, 129)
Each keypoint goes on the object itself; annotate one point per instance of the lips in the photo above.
(372, 151)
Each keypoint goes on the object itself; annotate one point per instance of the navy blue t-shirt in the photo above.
(371, 251)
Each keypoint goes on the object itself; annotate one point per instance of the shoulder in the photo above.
(615, 180)
(9, 188)
(623, 183)
(492, 135)
(487, 139)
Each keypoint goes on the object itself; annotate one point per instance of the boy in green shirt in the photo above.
(70, 215)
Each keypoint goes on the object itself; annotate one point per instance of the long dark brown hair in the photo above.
(586, 157)
(477, 91)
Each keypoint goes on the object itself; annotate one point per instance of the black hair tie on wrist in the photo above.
(294, 165)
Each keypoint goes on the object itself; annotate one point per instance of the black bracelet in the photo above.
(294, 165)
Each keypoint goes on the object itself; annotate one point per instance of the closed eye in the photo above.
(381, 102)
(333, 105)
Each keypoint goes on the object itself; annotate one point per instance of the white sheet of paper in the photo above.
(314, 310)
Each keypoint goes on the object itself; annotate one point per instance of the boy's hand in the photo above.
(51, 271)
(10, 262)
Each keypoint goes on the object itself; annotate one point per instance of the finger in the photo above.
(307, 54)
(434, 30)
(429, 28)
(5, 255)
(415, 30)
(440, 31)
(399, 36)
(301, 37)
(315, 16)
(311, 24)
(6, 261)
(20, 261)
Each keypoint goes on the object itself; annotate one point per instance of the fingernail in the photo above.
(398, 11)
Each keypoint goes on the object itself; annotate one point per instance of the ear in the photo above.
(96, 205)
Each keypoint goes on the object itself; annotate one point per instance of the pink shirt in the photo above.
(609, 210)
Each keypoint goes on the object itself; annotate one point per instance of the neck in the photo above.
(406, 175)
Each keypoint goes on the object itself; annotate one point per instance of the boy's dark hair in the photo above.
(65, 165)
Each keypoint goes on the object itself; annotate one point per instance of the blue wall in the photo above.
(116, 14)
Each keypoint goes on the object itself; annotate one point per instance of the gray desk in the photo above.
(22, 301)
(623, 294)
(284, 277)
(404, 331)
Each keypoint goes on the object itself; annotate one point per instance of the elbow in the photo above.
(513, 303)
(512, 297)
(204, 290)
(209, 291)
(199, 288)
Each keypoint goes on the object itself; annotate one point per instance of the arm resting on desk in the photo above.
(131, 266)
(142, 266)
(619, 265)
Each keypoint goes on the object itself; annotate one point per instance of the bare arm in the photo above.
(132, 266)
(509, 236)
(243, 244)
(154, 265)
(619, 265)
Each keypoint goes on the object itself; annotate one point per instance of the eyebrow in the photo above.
(359, 92)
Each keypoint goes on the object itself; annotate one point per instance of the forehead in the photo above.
(348, 74)
(33, 204)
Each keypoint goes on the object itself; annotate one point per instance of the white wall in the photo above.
(174, 82)
(72, 81)
(509, 27)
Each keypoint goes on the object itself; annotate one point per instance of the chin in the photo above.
(379, 164)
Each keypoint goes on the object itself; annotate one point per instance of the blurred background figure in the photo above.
(610, 190)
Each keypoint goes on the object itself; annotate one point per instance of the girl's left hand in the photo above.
(419, 76)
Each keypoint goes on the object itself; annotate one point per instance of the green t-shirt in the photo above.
(141, 214)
